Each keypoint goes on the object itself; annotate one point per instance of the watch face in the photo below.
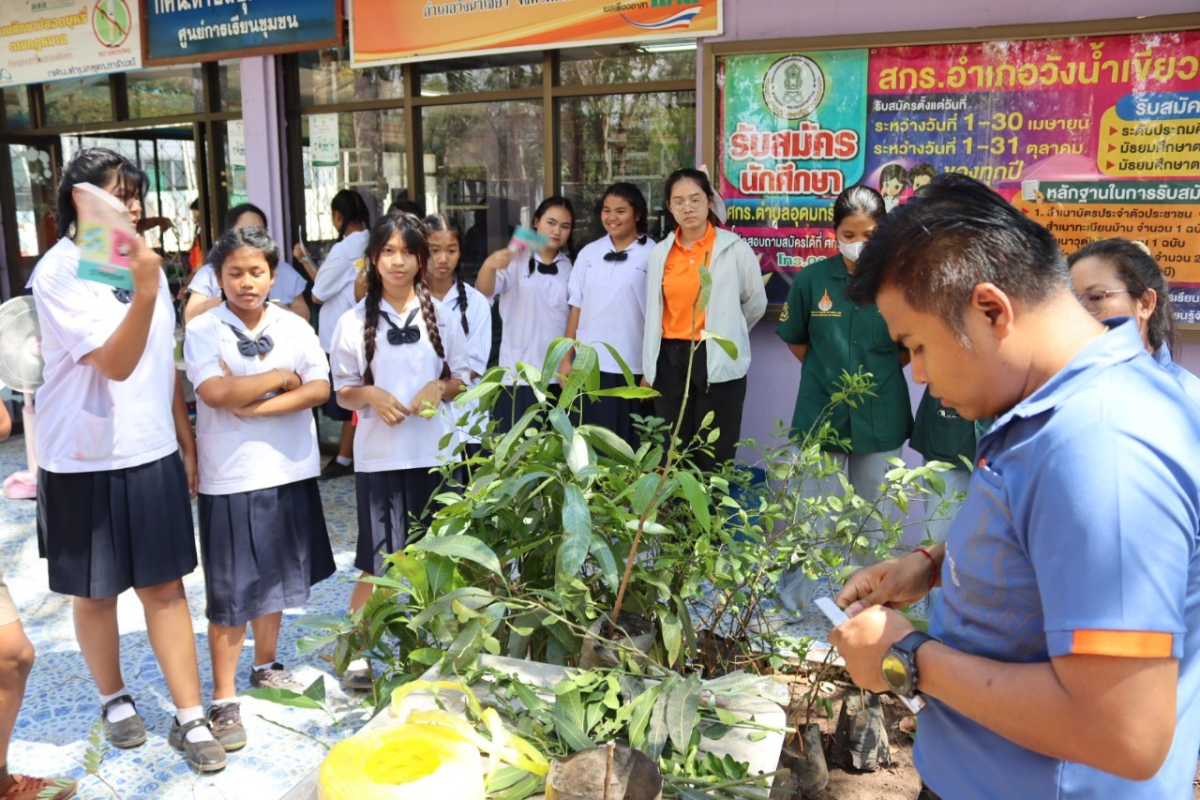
(895, 673)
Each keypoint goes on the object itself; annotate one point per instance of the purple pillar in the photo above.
(262, 120)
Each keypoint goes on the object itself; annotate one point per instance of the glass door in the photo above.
(29, 170)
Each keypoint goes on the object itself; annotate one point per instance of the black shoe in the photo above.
(226, 722)
(206, 756)
(275, 676)
(336, 469)
(129, 732)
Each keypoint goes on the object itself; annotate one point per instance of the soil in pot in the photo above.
(632, 776)
(860, 741)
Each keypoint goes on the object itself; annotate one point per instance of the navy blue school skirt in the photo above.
(331, 408)
(262, 550)
(104, 532)
(389, 505)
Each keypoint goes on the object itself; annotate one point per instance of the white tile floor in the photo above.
(61, 704)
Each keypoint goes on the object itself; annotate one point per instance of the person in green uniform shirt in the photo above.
(940, 434)
(830, 334)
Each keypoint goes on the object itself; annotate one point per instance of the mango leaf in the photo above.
(462, 546)
(626, 392)
(644, 491)
(583, 369)
(516, 434)
(608, 565)
(562, 426)
(653, 528)
(656, 732)
(491, 381)
(555, 353)
(705, 283)
(577, 453)
(715, 731)
(577, 533)
(683, 709)
(729, 347)
(625, 370)
(609, 442)
(693, 492)
(426, 655)
(569, 723)
(643, 707)
(284, 697)
(672, 633)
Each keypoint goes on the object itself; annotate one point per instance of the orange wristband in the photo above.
(933, 561)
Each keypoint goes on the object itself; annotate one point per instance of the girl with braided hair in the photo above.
(445, 283)
(396, 357)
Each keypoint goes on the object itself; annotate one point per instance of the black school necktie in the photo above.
(545, 269)
(409, 334)
(621, 255)
(252, 347)
(124, 295)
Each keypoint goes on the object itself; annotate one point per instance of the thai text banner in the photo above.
(1093, 137)
(389, 32)
(207, 30)
(50, 40)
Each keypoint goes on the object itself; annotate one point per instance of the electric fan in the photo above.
(21, 370)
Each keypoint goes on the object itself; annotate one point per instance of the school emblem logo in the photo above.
(785, 313)
(793, 87)
(825, 303)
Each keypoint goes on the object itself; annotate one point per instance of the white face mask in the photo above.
(850, 252)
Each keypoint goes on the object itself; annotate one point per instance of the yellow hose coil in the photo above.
(433, 755)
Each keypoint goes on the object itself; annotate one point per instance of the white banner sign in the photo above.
(236, 134)
(50, 40)
(323, 139)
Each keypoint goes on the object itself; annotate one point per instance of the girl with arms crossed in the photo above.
(258, 371)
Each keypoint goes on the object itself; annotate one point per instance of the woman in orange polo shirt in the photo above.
(675, 318)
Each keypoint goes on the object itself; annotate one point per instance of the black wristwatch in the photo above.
(900, 664)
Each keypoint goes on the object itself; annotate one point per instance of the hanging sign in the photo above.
(389, 32)
(189, 31)
(50, 40)
(1093, 137)
(323, 140)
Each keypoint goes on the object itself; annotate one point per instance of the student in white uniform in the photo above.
(394, 363)
(532, 288)
(445, 283)
(205, 289)
(607, 296)
(258, 372)
(338, 285)
(113, 490)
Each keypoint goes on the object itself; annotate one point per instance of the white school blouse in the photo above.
(533, 308)
(611, 298)
(287, 287)
(479, 348)
(87, 422)
(402, 370)
(334, 286)
(240, 454)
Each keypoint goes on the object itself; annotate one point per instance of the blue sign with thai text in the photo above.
(206, 30)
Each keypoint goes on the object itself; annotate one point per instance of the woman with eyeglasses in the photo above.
(676, 317)
(1120, 278)
(607, 296)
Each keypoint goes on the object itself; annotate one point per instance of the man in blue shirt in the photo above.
(1064, 652)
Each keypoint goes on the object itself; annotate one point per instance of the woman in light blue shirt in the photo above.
(1120, 278)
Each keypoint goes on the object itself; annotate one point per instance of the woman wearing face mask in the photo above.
(830, 334)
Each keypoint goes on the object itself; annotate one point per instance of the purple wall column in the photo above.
(774, 374)
(261, 115)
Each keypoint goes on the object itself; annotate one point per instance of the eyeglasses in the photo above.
(679, 204)
(1092, 300)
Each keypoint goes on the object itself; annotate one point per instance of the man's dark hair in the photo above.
(957, 234)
